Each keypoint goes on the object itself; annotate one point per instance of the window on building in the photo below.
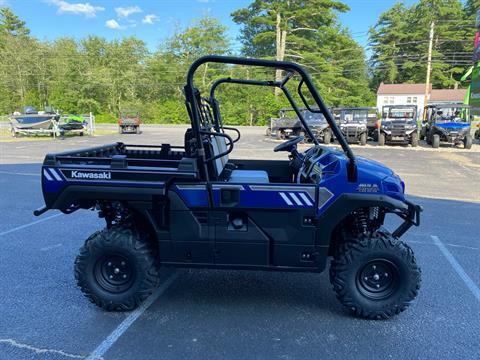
(409, 99)
(414, 99)
(385, 99)
(391, 99)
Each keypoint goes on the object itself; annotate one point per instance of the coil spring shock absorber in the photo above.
(360, 221)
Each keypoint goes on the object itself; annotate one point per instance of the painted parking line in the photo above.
(29, 224)
(134, 315)
(457, 267)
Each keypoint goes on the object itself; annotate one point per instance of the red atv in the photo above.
(129, 122)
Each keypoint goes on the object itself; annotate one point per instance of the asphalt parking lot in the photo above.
(209, 314)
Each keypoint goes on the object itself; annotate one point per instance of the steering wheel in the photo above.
(289, 145)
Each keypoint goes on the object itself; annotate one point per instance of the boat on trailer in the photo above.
(32, 121)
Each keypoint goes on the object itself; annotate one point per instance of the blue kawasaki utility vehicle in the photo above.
(194, 206)
(447, 123)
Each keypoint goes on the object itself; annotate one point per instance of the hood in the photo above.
(453, 125)
(399, 121)
(372, 167)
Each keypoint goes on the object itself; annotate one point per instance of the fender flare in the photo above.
(342, 207)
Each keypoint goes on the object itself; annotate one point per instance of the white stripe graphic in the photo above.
(55, 174)
(296, 199)
(286, 199)
(47, 175)
(306, 199)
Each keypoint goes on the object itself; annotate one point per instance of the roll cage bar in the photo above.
(197, 111)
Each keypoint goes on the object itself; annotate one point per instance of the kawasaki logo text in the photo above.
(91, 175)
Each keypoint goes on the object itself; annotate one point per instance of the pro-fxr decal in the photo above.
(368, 188)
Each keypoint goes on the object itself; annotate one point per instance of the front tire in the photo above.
(375, 276)
(116, 269)
(363, 139)
(467, 142)
(435, 141)
(327, 136)
(381, 139)
(414, 139)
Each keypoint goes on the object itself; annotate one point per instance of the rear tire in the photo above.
(268, 132)
(467, 142)
(435, 141)
(414, 139)
(375, 276)
(120, 130)
(327, 136)
(363, 139)
(116, 269)
(381, 139)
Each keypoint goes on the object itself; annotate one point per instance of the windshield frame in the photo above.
(439, 118)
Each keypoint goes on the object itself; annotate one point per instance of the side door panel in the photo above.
(191, 234)
(280, 228)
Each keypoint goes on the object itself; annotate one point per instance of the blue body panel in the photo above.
(453, 125)
(373, 178)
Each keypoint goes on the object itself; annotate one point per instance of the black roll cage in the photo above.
(194, 106)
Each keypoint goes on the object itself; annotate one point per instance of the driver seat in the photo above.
(236, 176)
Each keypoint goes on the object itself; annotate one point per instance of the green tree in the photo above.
(308, 33)
(11, 23)
(399, 43)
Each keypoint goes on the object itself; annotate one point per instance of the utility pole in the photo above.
(429, 62)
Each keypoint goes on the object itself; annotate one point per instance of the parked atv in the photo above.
(447, 123)
(285, 126)
(398, 125)
(353, 124)
(129, 122)
(373, 123)
(319, 126)
(193, 206)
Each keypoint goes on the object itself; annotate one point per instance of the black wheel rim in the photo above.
(378, 279)
(114, 273)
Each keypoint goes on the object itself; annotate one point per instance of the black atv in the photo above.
(319, 126)
(285, 125)
(289, 125)
(447, 123)
(353, 124)
(193, 206)
(398, 125)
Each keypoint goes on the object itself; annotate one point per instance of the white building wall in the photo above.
(401, 99)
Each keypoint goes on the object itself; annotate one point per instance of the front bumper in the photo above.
(411, 217)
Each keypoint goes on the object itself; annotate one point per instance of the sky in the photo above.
(155, 20)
